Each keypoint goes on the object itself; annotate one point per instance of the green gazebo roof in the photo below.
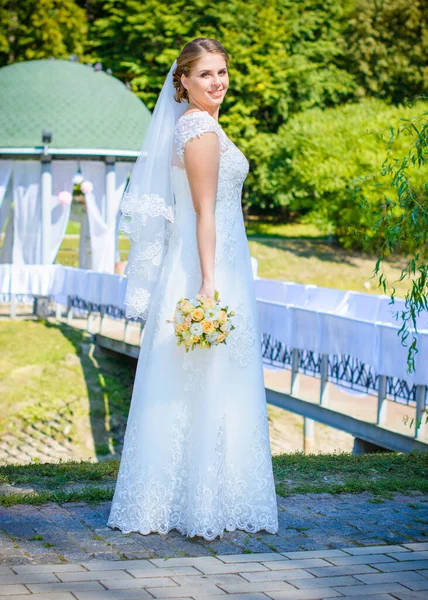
(82, 107)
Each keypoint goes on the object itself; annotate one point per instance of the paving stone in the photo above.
(12, 590)
(243, 558)
(250, 596)
(375, 550)
(108, 565)
(417, 585)
(361, 590)
(187, 561)
(232, 568)
(114, 595)
(6, 571)
(28, 578)
(363, 559)
(53, 568)
(277, 575)
(379, 597)
(417, 546)
(94, 575)
(321, 582)
(418, 555)
(53, 596)
(314, 554)
(337, 571)
(411, 595)
(305, 594)
(255, 586)
(132, 583)
(296, 564)
(182, 591)
(71, 586)
(188, 580)
(398, 576)
(163, 572)
(411, 565)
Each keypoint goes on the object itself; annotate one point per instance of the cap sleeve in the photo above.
(194, 125)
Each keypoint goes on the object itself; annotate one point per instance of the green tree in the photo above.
(319, 154)
(34, 29)
(386, 48)
(397, 195)
(285, 57)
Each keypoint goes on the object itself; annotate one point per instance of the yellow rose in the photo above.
(207, 327)
(208, 303)
(198, 314)
(177, 328)
(221, 337)
(222, 316)
(195, 339)
(184, 326)
(186, 307)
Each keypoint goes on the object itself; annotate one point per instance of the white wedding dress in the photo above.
(196, 453)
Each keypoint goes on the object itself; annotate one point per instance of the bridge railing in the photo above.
(340, 337)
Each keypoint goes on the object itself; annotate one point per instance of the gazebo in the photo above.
(62, 122)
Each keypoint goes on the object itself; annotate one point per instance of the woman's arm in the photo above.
(202, 161)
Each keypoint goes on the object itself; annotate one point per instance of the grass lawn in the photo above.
(291, 252)
(49, 366)
(54, 380)
(381, 474)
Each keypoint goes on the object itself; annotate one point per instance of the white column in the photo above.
(110, 188)
(110, 216)
(46, 185)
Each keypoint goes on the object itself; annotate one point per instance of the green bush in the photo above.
(322, 153)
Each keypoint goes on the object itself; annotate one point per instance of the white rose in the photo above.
(225, 327)
(211, 337)
(196, 329)
(212, 314)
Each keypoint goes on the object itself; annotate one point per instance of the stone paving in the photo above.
(372, 573)
(75, 531)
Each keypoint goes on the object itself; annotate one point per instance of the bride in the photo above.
(196, 453)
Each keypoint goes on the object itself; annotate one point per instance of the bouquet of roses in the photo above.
(202, 322)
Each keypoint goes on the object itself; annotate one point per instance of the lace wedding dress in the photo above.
(196, 453)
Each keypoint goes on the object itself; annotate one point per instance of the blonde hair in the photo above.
(187, 59)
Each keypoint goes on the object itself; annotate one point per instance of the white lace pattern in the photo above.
(228, 497)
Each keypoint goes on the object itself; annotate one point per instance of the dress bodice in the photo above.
(233, 171)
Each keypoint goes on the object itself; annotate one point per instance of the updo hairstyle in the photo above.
(187, 59)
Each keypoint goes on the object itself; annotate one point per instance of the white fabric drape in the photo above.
(5, 173)
(102, 222)
(5, 210)
(23, 237)
(27, 208)
(62, 180)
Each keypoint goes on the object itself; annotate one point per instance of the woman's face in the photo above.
(208, 81)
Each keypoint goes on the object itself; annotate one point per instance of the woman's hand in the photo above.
(207, 289)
